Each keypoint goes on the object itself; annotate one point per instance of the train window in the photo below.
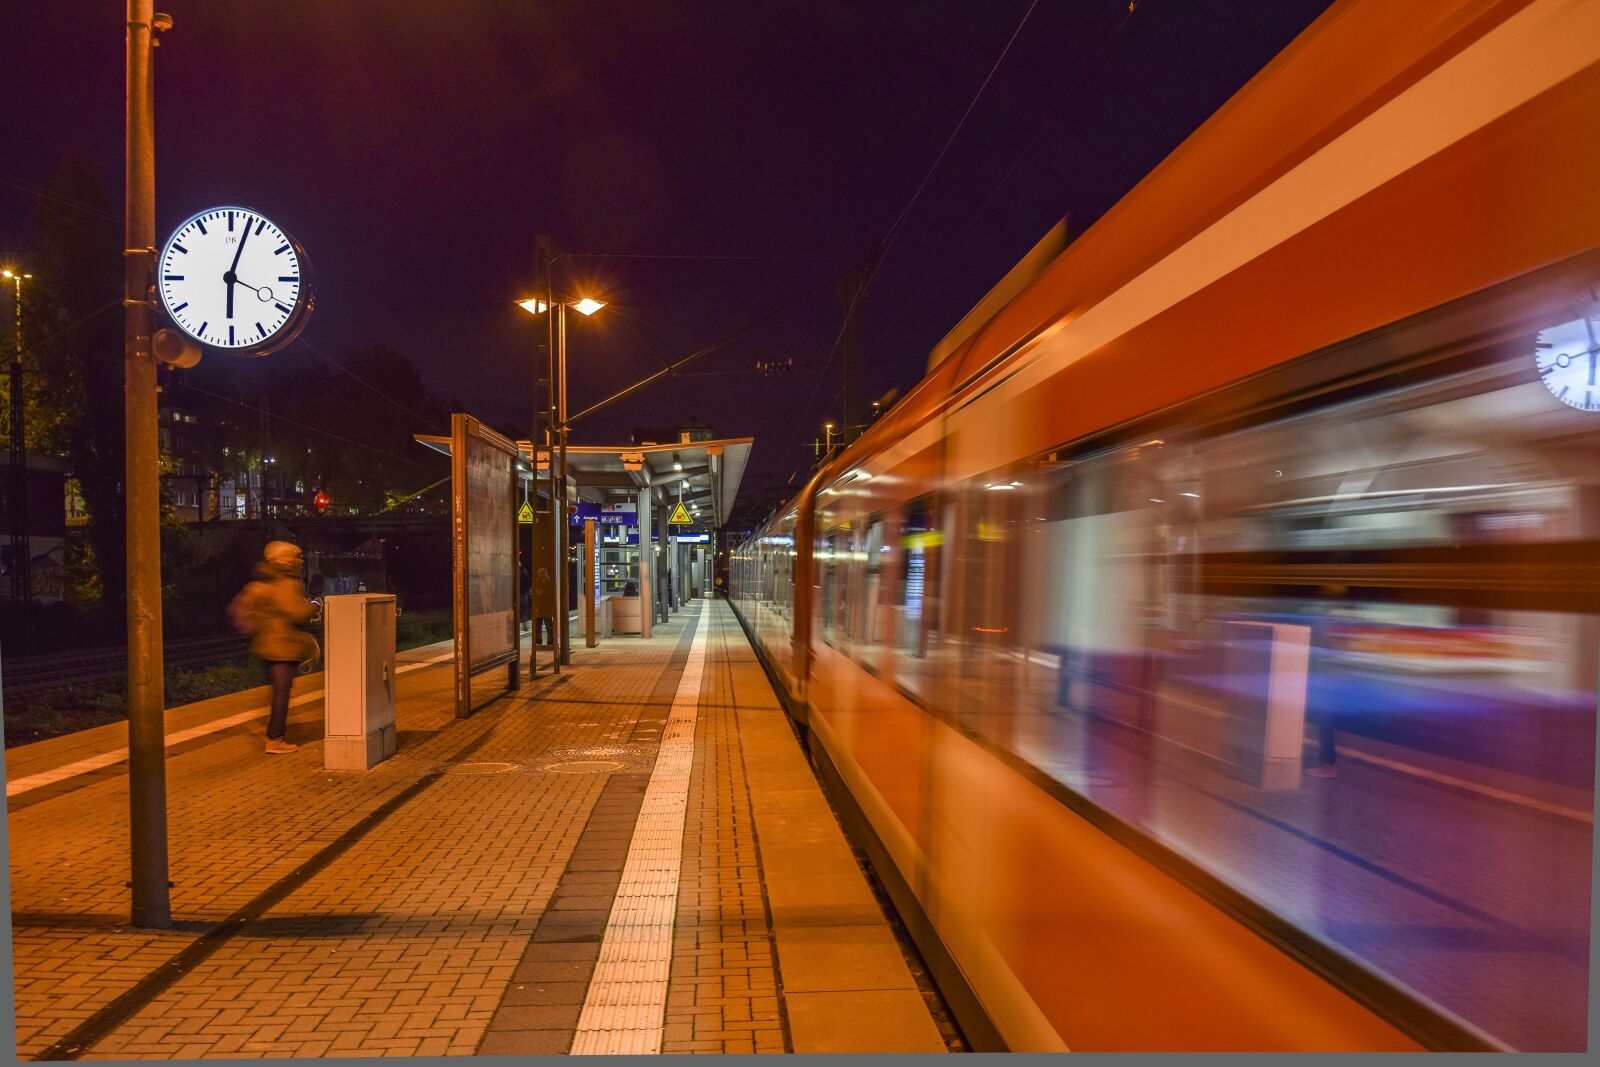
(987, 632)
(1346, 660)
(830, 577)
(915, 609)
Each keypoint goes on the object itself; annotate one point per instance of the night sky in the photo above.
(416, 149)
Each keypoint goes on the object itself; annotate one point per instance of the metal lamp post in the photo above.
(21, 550)
(147, 772)
(558, 443)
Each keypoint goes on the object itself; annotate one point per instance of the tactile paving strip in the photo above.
(627, 996)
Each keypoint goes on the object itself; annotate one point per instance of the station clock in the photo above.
(231, 278)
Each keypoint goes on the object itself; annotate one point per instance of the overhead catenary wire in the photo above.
(362, 381)
(1055, 116)
(875, 256)
(32, 346)
(706, 350)
(45, 194)
(304, 426)
(333, 388)
(703, 258)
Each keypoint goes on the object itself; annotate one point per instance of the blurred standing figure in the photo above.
(271, 609)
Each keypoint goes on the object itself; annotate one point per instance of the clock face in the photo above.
(1568, 356)
(230, 278)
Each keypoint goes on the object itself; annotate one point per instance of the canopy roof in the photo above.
(607, 474)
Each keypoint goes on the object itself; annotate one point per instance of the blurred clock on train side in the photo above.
(232, 278)
(1568, 357)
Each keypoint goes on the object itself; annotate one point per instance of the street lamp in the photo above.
(585, 306)
(21, 550)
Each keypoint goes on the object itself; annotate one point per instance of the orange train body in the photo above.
(1358, 248)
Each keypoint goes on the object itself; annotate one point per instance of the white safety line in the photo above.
(626, 1004)
(116, 756)
(1398, 767)
(1461, 783)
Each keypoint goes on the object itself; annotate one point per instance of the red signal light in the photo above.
(321, 499)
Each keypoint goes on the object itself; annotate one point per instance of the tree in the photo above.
(76, 369)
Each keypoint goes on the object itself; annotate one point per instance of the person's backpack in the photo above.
(242, 610)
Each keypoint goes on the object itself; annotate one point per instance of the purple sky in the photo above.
(415, 148)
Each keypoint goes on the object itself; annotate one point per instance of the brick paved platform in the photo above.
(456, 899)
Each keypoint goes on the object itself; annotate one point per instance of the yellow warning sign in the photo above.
(679, 516)
(525, 514)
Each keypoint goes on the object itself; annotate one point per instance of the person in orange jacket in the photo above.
(272, 608)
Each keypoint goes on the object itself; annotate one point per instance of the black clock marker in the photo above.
(180, 307)
(281, 251)
(283, 309)
(179, 248)
(261, 330)
(230, 333)
(260, 226)
(172, 277)
(202, 226)
(230, 222)
(288, 277)
(202, 330)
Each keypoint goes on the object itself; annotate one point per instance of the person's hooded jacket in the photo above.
(279, 608)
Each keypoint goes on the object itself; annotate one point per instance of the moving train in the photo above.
(1205, 650)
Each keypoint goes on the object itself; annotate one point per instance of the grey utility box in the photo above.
(358, 680)
(1267, 667)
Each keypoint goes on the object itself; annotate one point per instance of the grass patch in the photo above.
(54, 712)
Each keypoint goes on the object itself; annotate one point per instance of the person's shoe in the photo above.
(277, 746)
(1327, 770)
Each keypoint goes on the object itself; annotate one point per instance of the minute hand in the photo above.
(231, 277)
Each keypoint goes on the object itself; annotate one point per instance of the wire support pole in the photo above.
(21, 548)
(147, 775)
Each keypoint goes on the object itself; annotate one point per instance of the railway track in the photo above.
(30, 675)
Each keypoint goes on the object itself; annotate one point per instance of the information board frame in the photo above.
(483, 502)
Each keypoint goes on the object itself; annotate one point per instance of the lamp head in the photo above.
(587, 306)
(533, 306)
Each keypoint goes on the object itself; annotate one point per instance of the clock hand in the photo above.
(1594, 348)
(240, 250)
(263, 292)
(231, 277)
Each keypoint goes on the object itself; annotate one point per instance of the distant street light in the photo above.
(21, 549)
(585, 306)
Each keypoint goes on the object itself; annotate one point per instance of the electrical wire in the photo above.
(874, 258)
(759, 320)
(423, 419)
(935, 261)
(45, 194)
(40, 342)
(710, 258)
(295, 422)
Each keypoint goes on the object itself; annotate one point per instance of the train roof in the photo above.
(1355, 58)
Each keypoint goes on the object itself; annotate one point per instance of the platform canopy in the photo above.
(704, 474)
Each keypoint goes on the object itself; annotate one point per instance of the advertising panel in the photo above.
(484, 503)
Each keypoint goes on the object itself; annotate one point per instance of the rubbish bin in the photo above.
(358, 680)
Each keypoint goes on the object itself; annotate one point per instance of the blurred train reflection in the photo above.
(1215, 667)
